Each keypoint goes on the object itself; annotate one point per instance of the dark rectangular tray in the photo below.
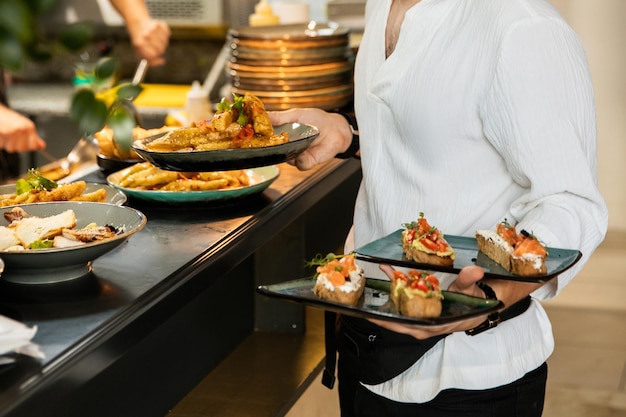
(376, 304)
(388, 250)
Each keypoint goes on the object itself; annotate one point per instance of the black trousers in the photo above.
(522, 398)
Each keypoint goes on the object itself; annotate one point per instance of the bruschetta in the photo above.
(339, 279)
(426, 244)
(416, 294)
(519, 253)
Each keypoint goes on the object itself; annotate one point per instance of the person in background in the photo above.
(471, 112)
(150, 37)
(18, 134)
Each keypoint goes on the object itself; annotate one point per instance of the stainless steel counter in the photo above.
(166, 307)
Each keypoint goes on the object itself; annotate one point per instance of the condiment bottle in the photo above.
(263, 15)
(197, 105)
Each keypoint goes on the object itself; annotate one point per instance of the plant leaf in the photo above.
(122, 121)
(82, 100)
(11, 53)
(76, 36)
(128, 91)
(105, 68)
(15, 18)
(92, 117)
(38, 7)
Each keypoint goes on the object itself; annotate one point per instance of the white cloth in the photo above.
(484, 111)
(16, 337)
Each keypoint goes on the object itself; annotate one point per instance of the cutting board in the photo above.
(163, 95)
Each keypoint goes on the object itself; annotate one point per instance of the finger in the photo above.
(468, 276)
(281, 117)
(387, 269)
(305, 161)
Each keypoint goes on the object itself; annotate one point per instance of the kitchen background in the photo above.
(199, 26)
(588, 366)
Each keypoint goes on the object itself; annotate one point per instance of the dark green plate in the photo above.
(376, 304)
(300, 138)
(388, 250)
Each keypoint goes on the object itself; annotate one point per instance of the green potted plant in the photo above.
(96, 102)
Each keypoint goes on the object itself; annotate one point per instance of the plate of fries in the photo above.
(74, 191)
(146, 181)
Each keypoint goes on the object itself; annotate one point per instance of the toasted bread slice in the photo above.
(338, 294)
(420, 256)
(501, 252)
(31, 229)
(340, 280)
(416, 294)
(418, 306)
(426, 244)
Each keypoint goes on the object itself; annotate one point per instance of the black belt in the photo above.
(498, 317)
(330, 318)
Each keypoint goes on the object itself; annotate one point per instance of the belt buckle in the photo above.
(492, 321)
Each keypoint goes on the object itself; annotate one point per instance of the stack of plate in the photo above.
(299, 65)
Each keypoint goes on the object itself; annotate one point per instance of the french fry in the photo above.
(64, 192)
(97, 196)
(146, 176)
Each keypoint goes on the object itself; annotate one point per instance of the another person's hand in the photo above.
(465, 283)
(150, 38)
(335, 134)
(18, 133)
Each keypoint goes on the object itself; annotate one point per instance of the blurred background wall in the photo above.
(600, 25)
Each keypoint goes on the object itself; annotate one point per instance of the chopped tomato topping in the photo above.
(418, 280)
(429, 244)
(400, 275)
(410, 235)
(419, 284)
(244, 134)
(423, 226)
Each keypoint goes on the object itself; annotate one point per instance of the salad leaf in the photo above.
(34, 181)
(41, 244)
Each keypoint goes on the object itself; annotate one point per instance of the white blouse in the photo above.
(484, 111)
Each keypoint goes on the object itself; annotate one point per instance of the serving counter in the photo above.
(161, 311)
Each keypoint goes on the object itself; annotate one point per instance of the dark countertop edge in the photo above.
(130, 326)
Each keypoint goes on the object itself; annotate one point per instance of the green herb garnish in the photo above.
(236, 105)
(41, 244)
(320, 260)
(34, 181)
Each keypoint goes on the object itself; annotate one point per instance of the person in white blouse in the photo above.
(471, 112)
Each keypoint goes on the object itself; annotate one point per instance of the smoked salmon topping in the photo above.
(523, 243)
(336, 268)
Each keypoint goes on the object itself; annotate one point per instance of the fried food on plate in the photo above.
(35, 188)
(145, 176)
(244, 123)
(107, 144)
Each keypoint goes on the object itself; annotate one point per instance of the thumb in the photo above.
(467, 278)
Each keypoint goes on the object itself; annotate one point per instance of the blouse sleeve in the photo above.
(539, 115)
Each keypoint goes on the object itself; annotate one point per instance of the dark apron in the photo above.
(378, 354)
(374, 354)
